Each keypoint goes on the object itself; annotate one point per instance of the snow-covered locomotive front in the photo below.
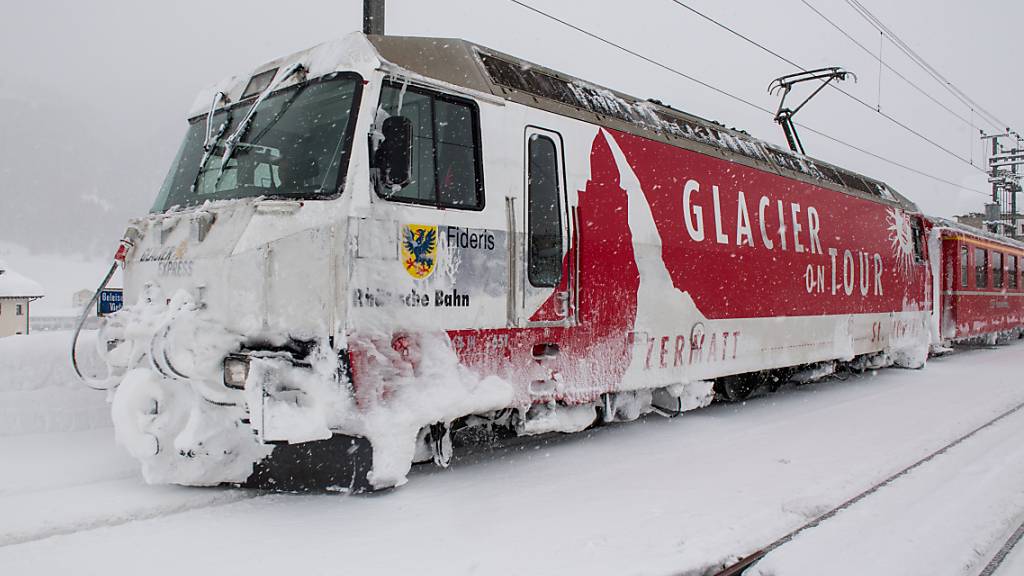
(239, 274)
(247, 279)
(323, 290)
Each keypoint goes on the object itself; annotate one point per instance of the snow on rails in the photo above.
(742, 564)
(359, 252)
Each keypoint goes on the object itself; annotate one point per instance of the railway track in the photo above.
(525, 475)
(749, 559)
(83, 522)
(1004, 551)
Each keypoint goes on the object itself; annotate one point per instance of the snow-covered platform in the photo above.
(655, 496)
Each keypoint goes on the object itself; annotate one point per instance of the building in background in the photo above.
(1002, 225)
(973, 219)
(81, 299)
(16, 295)
(66, 317)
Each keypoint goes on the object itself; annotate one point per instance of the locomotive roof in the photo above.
(472, 66)
(479, 70)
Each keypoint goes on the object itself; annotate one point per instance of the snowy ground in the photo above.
(651, 497)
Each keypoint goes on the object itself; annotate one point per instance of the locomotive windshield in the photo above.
(296, 146)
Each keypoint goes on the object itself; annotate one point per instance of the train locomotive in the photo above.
(364, 248)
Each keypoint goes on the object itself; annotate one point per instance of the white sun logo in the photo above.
(901, 236)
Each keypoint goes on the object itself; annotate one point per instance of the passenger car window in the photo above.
(544, 213)
(446, 148)
(997, 269)
(1011, 266)
(980, 268)
(965, 254)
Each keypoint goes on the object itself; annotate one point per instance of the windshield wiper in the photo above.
(232, 142)
(210, 142)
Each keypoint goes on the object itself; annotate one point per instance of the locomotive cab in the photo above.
(316, 208)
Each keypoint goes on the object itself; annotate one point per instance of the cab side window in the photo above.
(544, 214)
(918, 233)
(445, 148)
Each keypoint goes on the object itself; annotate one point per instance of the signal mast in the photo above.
(1001, 215)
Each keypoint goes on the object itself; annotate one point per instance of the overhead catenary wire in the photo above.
(920, 61)
(640, 56)
(881, 44)
(923, 64)
(888, 67)
(737, 98)
(849, 95)
(893, 162)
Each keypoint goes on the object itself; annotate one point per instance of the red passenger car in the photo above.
(982, 290)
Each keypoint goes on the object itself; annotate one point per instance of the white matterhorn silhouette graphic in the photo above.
(662, 310)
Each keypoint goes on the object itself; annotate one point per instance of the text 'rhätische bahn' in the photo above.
(369, 245)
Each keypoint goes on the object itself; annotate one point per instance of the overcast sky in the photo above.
(93, 93)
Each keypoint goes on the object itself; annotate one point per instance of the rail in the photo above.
(750, 559)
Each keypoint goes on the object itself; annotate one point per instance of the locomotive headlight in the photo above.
(236, 371)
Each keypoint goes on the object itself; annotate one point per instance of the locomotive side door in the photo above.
(544, 277)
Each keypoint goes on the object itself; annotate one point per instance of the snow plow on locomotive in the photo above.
(369, 244)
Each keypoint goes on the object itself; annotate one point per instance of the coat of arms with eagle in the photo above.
(419, 250)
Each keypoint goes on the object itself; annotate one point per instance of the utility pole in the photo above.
(1005, 180)
(373, 17)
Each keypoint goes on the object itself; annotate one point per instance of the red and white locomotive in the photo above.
(369, 244)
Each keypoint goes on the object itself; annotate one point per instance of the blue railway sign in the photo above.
(110, 301)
